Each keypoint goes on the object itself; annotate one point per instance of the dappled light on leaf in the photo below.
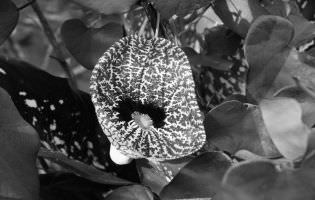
(65, 122)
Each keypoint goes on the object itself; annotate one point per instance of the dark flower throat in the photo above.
(127, 106)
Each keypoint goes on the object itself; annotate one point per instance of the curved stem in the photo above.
(26, 5)
(60, 57)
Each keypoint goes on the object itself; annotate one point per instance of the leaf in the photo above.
(238, 14)
(283, 120)
(214, 62)
(309, 156)
(19, 143)
(9, 16)
(65, 122)
(82, 169)
(134, 192)
(233, 126)
(304, 30)
(307, 8)
(65, 186)
(158, 174)
(107, 7)
(249, 181)
(220, 40)
(306, 101)
(87, 45)
(179, 7)
(273, 62)
(260, 180)
(200, 178)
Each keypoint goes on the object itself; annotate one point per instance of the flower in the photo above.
(143, 93)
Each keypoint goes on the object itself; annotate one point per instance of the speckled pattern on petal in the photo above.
(156, 72)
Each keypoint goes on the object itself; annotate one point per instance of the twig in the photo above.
(25, 5)
(52, 39)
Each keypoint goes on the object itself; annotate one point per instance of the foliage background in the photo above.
(254, 80)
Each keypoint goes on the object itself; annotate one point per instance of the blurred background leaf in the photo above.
(19, 145)
(9, 15)
(87, 45)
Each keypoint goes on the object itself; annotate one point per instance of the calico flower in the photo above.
(143, 93)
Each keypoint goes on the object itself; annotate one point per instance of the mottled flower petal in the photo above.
(139, 80)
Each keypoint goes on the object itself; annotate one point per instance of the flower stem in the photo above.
(60, 57)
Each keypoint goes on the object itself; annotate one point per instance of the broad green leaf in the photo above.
(200, 178)
(81, 169)
(87, 45)
(233, 126)
(8, 19)
(19, 143)
(272, 60)
(179, 7)
(107, 6)
(283, 120)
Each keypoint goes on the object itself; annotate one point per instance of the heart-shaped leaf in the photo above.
(238, 14)
(9, 16)
(283, 120)
(82, 169)
(306, 101)
(272, 60)
(179, 7)
(200, 178)
(107, 6)
(233, 126)
(19, 143)
(260, 180)
(87, 45)
(65, 122)
(249, 181)
(304, 30)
